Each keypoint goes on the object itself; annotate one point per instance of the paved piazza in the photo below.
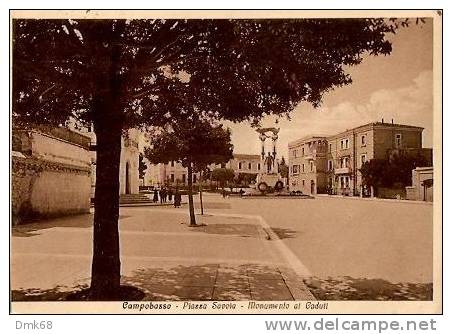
(260, 249)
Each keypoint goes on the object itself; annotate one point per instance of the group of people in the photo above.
(167, 195)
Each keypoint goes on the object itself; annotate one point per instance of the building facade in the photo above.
(166, 174)
(421, 188)
(347, 151)
(172, 172)
(51, 170)
(308, 165)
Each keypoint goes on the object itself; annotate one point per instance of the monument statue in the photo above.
(270, 179)
(269, 162)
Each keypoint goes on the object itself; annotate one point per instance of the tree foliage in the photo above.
(60, 66)
(391, 172)
(195, 143)
(198, 143)
(223, 175)
(142, 167)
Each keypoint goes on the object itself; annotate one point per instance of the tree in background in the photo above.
(119, 74)
(373, 172)
(142, 167)
(196, 144)
(393, 172)
(223, 175)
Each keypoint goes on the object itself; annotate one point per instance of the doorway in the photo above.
(312, 187)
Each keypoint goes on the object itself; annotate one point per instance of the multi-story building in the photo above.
(347, 151)
(172, 172)
(307, 165)
(168, 173)
(245, 163)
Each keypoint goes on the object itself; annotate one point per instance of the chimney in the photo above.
(392, 120)
(382, 120)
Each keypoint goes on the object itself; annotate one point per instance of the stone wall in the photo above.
(42, 189)
(50, 175)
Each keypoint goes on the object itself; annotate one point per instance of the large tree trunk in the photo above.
(190, 195)
(108, 121)
(106, 273)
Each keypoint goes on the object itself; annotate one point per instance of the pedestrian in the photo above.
(164, 195)
(161, 196)
(156, 196)
(170, 195)
(177, 199)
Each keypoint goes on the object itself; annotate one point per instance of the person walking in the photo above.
(170, 195)
(156, 196)
(164, 195)
(161, 196)
(177, 199)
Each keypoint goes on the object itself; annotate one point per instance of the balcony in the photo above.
(343, 170)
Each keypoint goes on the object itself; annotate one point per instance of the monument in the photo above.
(270, 180)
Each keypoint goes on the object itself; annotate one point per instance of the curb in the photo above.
(375, 199)
(295, 284)
(148, 204)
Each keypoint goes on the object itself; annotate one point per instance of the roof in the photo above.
(306, 139)
(246, 156)
(377, 125)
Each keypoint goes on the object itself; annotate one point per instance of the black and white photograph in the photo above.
(225, 162)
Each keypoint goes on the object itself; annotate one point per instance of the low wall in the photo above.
(42, 189)
(394, 193)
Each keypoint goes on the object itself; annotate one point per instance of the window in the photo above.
(172, 163)
(330, 165)
(258, 166)
(194, 178)
(330, 146)
(183, 178)
(345, 181)
(294, 152)
(295, 169)
(346, 143)
(240, 165)
(172, 177)
(311, 163)
(363, 159)
(363, 140)
(342, 144)
(302, 152)
(302, 169)
(302, 183)
(344, 162)
(249, 165)
(398, 140)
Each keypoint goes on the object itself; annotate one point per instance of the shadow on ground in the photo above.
(213, 205)
(348, 288)
(33, 227)
(58, 293)
(242, 230)
(284, 233)
(190, 282)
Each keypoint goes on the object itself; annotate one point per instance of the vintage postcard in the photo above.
(226, 162)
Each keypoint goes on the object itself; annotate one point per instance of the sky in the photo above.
(398, 87)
